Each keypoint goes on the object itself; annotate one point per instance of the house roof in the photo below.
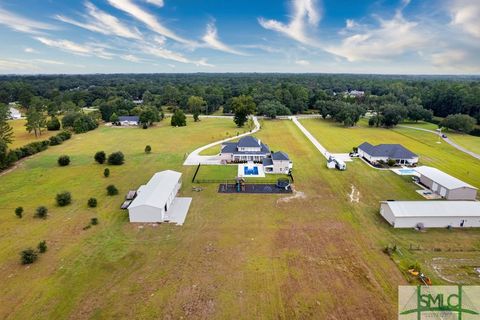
(157, 190)
(267, 162)
(280, 155)
(248, 142)
(392, 151)
(128, 118)
(442, 178)
(232, 147)
(435, 208)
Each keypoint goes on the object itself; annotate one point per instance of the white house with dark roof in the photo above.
(385, 152)
(445, 185)
(246, 149)
(277, 163)
(128, 120)
(14, 113)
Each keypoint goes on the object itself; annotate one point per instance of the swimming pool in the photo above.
(250, 171)
(407, 171)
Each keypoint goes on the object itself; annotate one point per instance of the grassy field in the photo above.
(21, 136)
(316, 254)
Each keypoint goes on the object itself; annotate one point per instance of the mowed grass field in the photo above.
(21, 136)
(315, 255)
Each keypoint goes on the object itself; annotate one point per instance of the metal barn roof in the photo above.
(435, 208)
(156, 192)
(442, 178)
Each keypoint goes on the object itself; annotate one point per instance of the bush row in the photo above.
(32, 148)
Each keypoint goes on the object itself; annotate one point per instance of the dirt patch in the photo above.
(457, 270)
(354, 195)
(296, 195)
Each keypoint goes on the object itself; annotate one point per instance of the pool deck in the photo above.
(241, 172)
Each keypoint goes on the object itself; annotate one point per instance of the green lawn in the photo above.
(21, 136)
(237, 256)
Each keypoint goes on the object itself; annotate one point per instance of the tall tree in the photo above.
(36, 121)
(243, 106)
(6, 133)
(196, 105)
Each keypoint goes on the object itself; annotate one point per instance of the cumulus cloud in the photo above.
(304, 14)
(448, 57)
(78, 49)
(158, 3)
(466, 15)
(148, 19)
(22, 24)
(391, 38)
(212, 41)
(97, 20)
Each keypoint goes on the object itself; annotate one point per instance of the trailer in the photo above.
(333, 163)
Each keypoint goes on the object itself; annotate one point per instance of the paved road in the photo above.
(323, 151)
(194, 158)
(447, 140)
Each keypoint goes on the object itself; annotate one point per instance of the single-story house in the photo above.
(156, 201)
(246, 149)
(128, 120)
(431, 214)
(14, 113)
(445, 185)
(385, 152)
(278, 163)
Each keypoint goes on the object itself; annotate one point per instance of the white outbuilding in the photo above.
(156, 201)
(431, 214)
(445, 185)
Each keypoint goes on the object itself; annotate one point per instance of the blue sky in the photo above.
(334, 36)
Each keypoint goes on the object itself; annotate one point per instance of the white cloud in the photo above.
(211, 39)
(30, 50)
(148, 19)
(391, 38)
(448, 57)
(131, 58)
(304, 14)
(16, 65)
(466, 15)
(302, 62)
(170, 55)
(22, 24)
(102, 22)
(47, 61)
(158, 3)
(78, 49)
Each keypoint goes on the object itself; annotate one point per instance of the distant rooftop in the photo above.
(392, 151)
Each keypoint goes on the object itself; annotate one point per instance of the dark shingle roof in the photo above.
(229, 147)
(280, 155)
(392, 151)
(248, 142)
(267, 162)
(232, 147)
(128, 118)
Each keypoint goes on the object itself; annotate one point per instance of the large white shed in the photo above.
(431, 214)
(154, 199)
(445, 185)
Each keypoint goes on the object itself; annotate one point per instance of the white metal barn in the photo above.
(156, 198)
(431, 214)
(445, 185)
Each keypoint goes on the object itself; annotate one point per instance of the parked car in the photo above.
(353, 155)
(444, 136)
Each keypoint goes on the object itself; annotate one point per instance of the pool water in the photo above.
(250, 171)
(406, 171)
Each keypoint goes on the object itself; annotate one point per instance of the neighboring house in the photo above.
(355, 93)
(385, 152)
(277, 163)
(246, 149)
(157, 202)
(431, 214)
(128, 120)
(445, 185)
(139, 101)
(15, 114)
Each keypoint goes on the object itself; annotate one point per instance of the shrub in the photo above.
(55, 140)
(178, 119)
(42, 246)
(391, 162)
(371, 122)
(84, 123)
(148, 149)
(475, 132)
(100, 157)
(53, 124)
(64, 135)
(94, 221)
(63, 199)
(28, 256)
(92, 202)
(41, 212)
(112, 190)
(106, 172)
(19, 212)
(144, 126)
(63, 161)
(116, 158)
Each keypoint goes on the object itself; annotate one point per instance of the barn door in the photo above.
(434, 186)
(443, 191)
